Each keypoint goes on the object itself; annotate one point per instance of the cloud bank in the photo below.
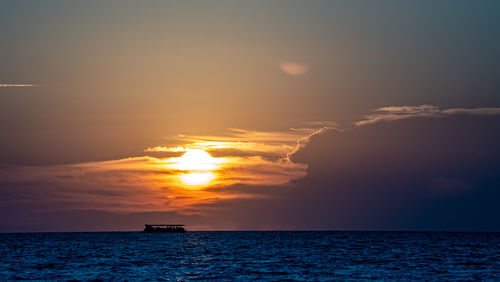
(154, 183)
(434, 169)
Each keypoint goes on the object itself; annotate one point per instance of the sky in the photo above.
(250, 115)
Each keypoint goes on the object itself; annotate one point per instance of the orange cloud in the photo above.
(294, 69)
(182, 183)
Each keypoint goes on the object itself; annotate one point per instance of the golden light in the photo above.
(195, 159)
(198, 166)
(197, 178)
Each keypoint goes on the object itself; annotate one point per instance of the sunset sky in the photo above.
(250, 115)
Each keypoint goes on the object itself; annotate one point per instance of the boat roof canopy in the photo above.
(172, 225)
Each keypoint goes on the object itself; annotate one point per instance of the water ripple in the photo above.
(294, 256)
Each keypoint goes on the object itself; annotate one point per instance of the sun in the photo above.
(197, 178)
(195, 159)
(197, 166)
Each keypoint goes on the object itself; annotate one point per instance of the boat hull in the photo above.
(164, 231)
(164, 228)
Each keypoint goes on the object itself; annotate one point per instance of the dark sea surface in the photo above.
(252, 255)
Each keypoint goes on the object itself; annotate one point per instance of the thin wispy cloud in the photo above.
(301, 142)
(474, 111)
(393, 113)
(294, 69)
(278, 144)
(16, 85)
(321, 123)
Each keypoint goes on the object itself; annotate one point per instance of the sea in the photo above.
(250, 255)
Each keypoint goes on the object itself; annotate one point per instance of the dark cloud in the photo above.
(380, 175)
(413, 174)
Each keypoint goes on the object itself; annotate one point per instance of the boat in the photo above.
(164, 228)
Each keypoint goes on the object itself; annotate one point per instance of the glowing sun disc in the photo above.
(195, 160)
(196, 178)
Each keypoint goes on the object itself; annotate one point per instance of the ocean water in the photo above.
(250, 256)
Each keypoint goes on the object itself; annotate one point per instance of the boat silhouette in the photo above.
(164, 228)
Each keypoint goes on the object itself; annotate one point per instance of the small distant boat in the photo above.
(164, 228)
